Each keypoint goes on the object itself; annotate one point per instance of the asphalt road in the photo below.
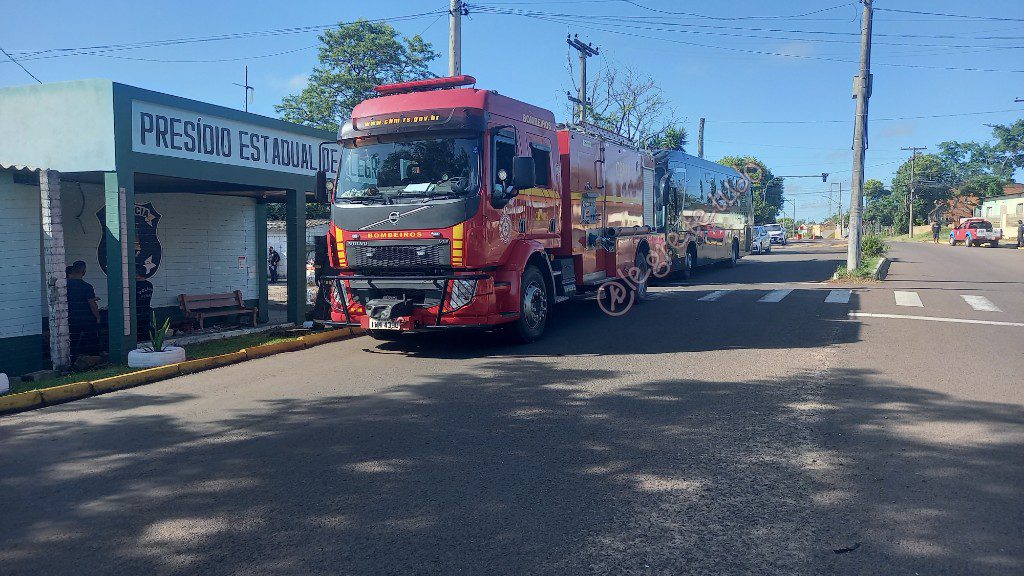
(692, 435)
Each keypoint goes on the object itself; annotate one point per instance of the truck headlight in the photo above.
(462, 293)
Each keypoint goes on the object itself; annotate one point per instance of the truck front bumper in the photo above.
(415, 303)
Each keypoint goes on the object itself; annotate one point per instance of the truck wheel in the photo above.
(688, 262)
(533, 307)
(952, 240)
(734, 257)
(644, 273)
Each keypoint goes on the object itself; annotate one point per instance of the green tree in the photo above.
(874, 189)
(1009, 148)
(354, 58)
(768, 190)
(672, 138)
(932, 182)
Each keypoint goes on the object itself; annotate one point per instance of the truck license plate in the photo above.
(384, 324)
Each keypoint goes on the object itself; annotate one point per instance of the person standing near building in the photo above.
(83, 312)
(274, 260)
(1020, 233)
(936, 228)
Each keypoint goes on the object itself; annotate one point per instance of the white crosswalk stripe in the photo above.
(713, 296)
(775, 295)
(980, 303)
(908, 299)
(838, 297)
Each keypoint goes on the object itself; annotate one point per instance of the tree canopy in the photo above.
(768, 190)
(632, 104)
(353, 58)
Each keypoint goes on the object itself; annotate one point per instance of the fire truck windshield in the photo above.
(422, 169)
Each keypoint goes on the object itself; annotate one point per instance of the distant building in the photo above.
(1003, 211)
(277, 235)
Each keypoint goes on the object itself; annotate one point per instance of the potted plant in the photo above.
(156, 353)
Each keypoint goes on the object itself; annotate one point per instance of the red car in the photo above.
(974, 232)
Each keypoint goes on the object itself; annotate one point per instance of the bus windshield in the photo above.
(424, 169)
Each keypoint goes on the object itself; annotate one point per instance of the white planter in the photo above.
(143, 359)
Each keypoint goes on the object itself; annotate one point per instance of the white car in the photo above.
(761, 243)
(777, 233)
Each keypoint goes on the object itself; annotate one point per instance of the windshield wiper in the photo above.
(366, 200)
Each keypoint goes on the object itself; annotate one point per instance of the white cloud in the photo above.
(297, 82)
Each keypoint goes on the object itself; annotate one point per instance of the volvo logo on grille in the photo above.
(393, 217)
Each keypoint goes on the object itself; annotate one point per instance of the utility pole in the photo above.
(586, 50)
(700, 139)
(913, 180)
(249, 90)
(455, 13)
(863, 93)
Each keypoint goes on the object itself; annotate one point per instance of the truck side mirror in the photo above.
(524, 173)
(323, 191)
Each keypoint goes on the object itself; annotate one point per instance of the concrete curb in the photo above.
(882, 268)
(33, 399)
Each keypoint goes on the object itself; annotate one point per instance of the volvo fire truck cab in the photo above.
(460, 207)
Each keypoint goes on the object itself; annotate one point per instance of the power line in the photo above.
(575, 22)
(896, 118)
(964, 16)
(96, 50)
(11, 58)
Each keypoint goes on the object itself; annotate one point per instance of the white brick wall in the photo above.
(20, 262)
(202, 237)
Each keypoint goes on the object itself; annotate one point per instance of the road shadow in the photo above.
(520, 469)
(669, 323)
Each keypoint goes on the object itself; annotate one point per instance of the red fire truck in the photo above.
(460, 207)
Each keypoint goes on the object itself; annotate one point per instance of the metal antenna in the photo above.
(249, 90)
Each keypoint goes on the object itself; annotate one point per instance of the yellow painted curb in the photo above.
(270, 349)
(329, 336)
(134, 378)
(20, 401)
(201, 364)
(77, 390)
(65, 392)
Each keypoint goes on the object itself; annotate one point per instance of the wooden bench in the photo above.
(202, 306)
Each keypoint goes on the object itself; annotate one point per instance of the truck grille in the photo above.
(404, 255)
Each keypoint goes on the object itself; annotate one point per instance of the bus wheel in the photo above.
(534, 307)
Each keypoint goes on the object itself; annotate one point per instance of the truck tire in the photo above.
(952, 240)
(968, 241)
(687, 263)
(534, 307)
(993, 244)
(734, 257)
(644, 267)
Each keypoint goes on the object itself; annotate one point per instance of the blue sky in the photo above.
(704, 62)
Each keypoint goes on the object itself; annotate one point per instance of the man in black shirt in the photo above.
(274, 260)
(83, 312)
(936, 228)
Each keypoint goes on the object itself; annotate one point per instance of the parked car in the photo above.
(761, 243)
(777, 233)
(974, 232)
